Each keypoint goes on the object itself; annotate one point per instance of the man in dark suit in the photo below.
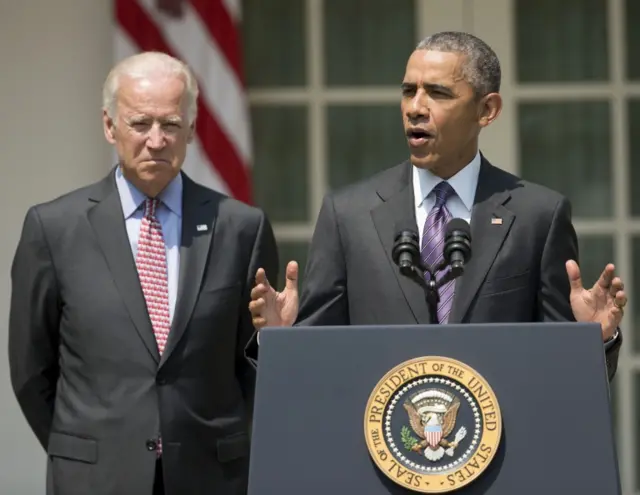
(129, 317)
(524, 245)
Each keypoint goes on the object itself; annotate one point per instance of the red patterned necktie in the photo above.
(151, 261)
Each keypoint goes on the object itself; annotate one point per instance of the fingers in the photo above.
(261, 277)
(292, 276)
(606, 277)
(262, 285)
(259, 291)
(257, 306)
(616, 286)
(620, 300)
(573, 272)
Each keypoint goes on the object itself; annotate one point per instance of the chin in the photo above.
(425, 161)
(157, 165)
(158, 169)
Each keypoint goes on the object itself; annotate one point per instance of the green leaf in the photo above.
(407, 439)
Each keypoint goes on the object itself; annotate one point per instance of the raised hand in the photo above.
(270, 308)
(603, 303)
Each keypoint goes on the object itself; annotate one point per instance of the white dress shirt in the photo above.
(464, 183)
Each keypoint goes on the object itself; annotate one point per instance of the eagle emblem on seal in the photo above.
(432, 416)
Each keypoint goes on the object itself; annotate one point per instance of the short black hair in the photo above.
(482, 67)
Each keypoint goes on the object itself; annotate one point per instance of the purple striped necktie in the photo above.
(433, 244)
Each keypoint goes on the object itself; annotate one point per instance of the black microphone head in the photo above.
(457, 244)
(406, 247)
(460, 226)
(406, 232)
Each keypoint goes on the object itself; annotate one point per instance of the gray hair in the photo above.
(144, 65)
(481, 68)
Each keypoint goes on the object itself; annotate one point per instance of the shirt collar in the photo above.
(131, 198)
(464, 183)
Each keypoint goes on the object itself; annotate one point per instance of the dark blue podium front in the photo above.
(550, 381)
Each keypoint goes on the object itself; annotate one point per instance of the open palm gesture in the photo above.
(603, 303)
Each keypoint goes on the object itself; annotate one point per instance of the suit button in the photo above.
(151, 445)
(161, 380)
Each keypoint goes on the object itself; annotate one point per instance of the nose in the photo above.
(156, 137)
(418, 107)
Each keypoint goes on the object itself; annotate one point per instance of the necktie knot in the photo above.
(150, 207)
(443, 192)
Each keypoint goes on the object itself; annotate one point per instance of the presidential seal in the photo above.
(432, 424)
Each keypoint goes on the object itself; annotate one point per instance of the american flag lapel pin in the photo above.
(496, 221)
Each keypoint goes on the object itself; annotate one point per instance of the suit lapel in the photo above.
(199, 214)
(107, 220)
(487, 236)
(397, 210)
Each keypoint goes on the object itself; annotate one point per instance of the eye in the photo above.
(437, 93)
(408, 91)
(139, 126)
(171, 125)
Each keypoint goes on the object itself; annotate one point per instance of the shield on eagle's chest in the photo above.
(433, 434)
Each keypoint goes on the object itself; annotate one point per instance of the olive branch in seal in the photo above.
(407, 439)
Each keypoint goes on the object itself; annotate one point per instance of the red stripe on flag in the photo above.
(220, 151)
(216, 144)
(223, 30)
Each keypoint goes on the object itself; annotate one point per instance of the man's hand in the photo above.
(603, 303)
(275, 309)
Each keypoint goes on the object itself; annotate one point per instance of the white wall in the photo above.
(54, 55)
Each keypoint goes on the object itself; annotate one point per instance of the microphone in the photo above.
(406, 250)
(456, 252)
(457, 245)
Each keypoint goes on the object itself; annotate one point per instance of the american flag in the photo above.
(205, 35)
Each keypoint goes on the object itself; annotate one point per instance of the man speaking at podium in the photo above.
(522, 267)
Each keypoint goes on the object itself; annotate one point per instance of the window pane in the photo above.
(635, 252)
(368, 42)
(595, 252)
(364, 140)
(562, 40)
(632, 18)
(567, 147)
(274, 42)
(292, 251)
(280, 164)
(634, 156)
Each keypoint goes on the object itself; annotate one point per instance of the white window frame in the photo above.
(431, 16)
(494, 22)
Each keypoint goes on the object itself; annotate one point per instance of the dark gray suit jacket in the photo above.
(517, 272)
(84, 362)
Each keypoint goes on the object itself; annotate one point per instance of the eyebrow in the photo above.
(172, 119)
(428, 86)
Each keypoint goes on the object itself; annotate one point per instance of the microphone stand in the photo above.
(416, 272)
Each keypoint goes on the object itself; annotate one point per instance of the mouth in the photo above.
(418, 136)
